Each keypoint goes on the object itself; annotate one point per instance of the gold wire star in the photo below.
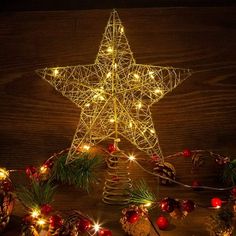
(115, 94)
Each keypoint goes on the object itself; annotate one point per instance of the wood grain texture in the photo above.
(36, 121)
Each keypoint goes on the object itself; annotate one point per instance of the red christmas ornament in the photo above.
(30, 170)
(132, 216)
(55, 221)
(168, 204)
(104, 232)
(187, 153)
(112, 148)
(46, 209)
(216, 202)
(188, 205)
(84, 225)
(6, 185)
(162, 222)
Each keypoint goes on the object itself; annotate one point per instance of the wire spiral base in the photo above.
(117, 182)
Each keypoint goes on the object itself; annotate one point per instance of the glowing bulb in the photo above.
(152, 131)
(130, 124)
(159, 91)
(3, 174)
(136, 76)
(41, 222)
(87, 104)
(148, 204)
(35, 213)
(86, 147)
(115, 66)
(101, 98)
(55, 72)
(110, 49)
(112, 120)
(151, 74)
(108, 74)
(96, 227)
(131, 157)
(121, 30)
(43, 169)
(139, 105)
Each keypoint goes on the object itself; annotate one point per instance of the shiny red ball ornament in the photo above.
(84, 225)
(187, 153)
(30, 170)
(188, 205)
(104, 232)
(216, 202)
(112, 148)
(168, 204)
(6, 186)
(55, 221)
(162, 222)
(132, 216)
(46, 209)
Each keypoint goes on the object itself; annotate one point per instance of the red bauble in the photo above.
(162, 222)
(132, 216)
(6, 185)
(104, 232)
(46, 209)
(187, 153)
(168, 204)
(112, 148)
(84, 225)
(30, 170)
(55, 221)
(216, 202)
(188, 205)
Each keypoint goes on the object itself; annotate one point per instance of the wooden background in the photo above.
(36, 121)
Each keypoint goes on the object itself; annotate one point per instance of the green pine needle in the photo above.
(141, 194)
(81, 172)
(37, 194)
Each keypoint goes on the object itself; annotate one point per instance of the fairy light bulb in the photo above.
(109, 49)
(136, 76)
(158, 91)
(96, 227)
(35, 213)
(55, 72)
(131, 157)
(85, 147)
(139, 105)
(41, 222)
(3, 174)
(43, 169)
(108, 74)
(151, 74)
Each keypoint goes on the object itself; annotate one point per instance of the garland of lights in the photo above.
(42, 218)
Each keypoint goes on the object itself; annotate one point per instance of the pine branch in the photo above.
(141, 194)
(37, 194)
(81, 172)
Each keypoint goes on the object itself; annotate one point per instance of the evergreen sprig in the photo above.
(141, 194)
(36, 194)
(81, 172)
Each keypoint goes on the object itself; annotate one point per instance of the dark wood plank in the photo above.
(36, 121)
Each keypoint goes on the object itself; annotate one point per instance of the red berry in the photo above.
(55, 221)
(162, 222)
(188, 205)
(187, 153)
(84, 225)
(132, 216)
(30, 170)
(104, 232)
(112, 148)
(46, 209)
(216, 202)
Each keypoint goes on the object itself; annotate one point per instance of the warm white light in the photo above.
(136, 76)
(151, 74)
(139, 105)
(130, 124)
(86, 147)
(96, 227)
(35, 213)
(41, 222)
(110, 49)
(112, 120)
(131, 157)
(152, 131)
(115, 66)
(43, 169)
(122, 30)
(148, 204)
(108, 74)
(3, 174)
(158, 91)
(87, 104)
(55, 72)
